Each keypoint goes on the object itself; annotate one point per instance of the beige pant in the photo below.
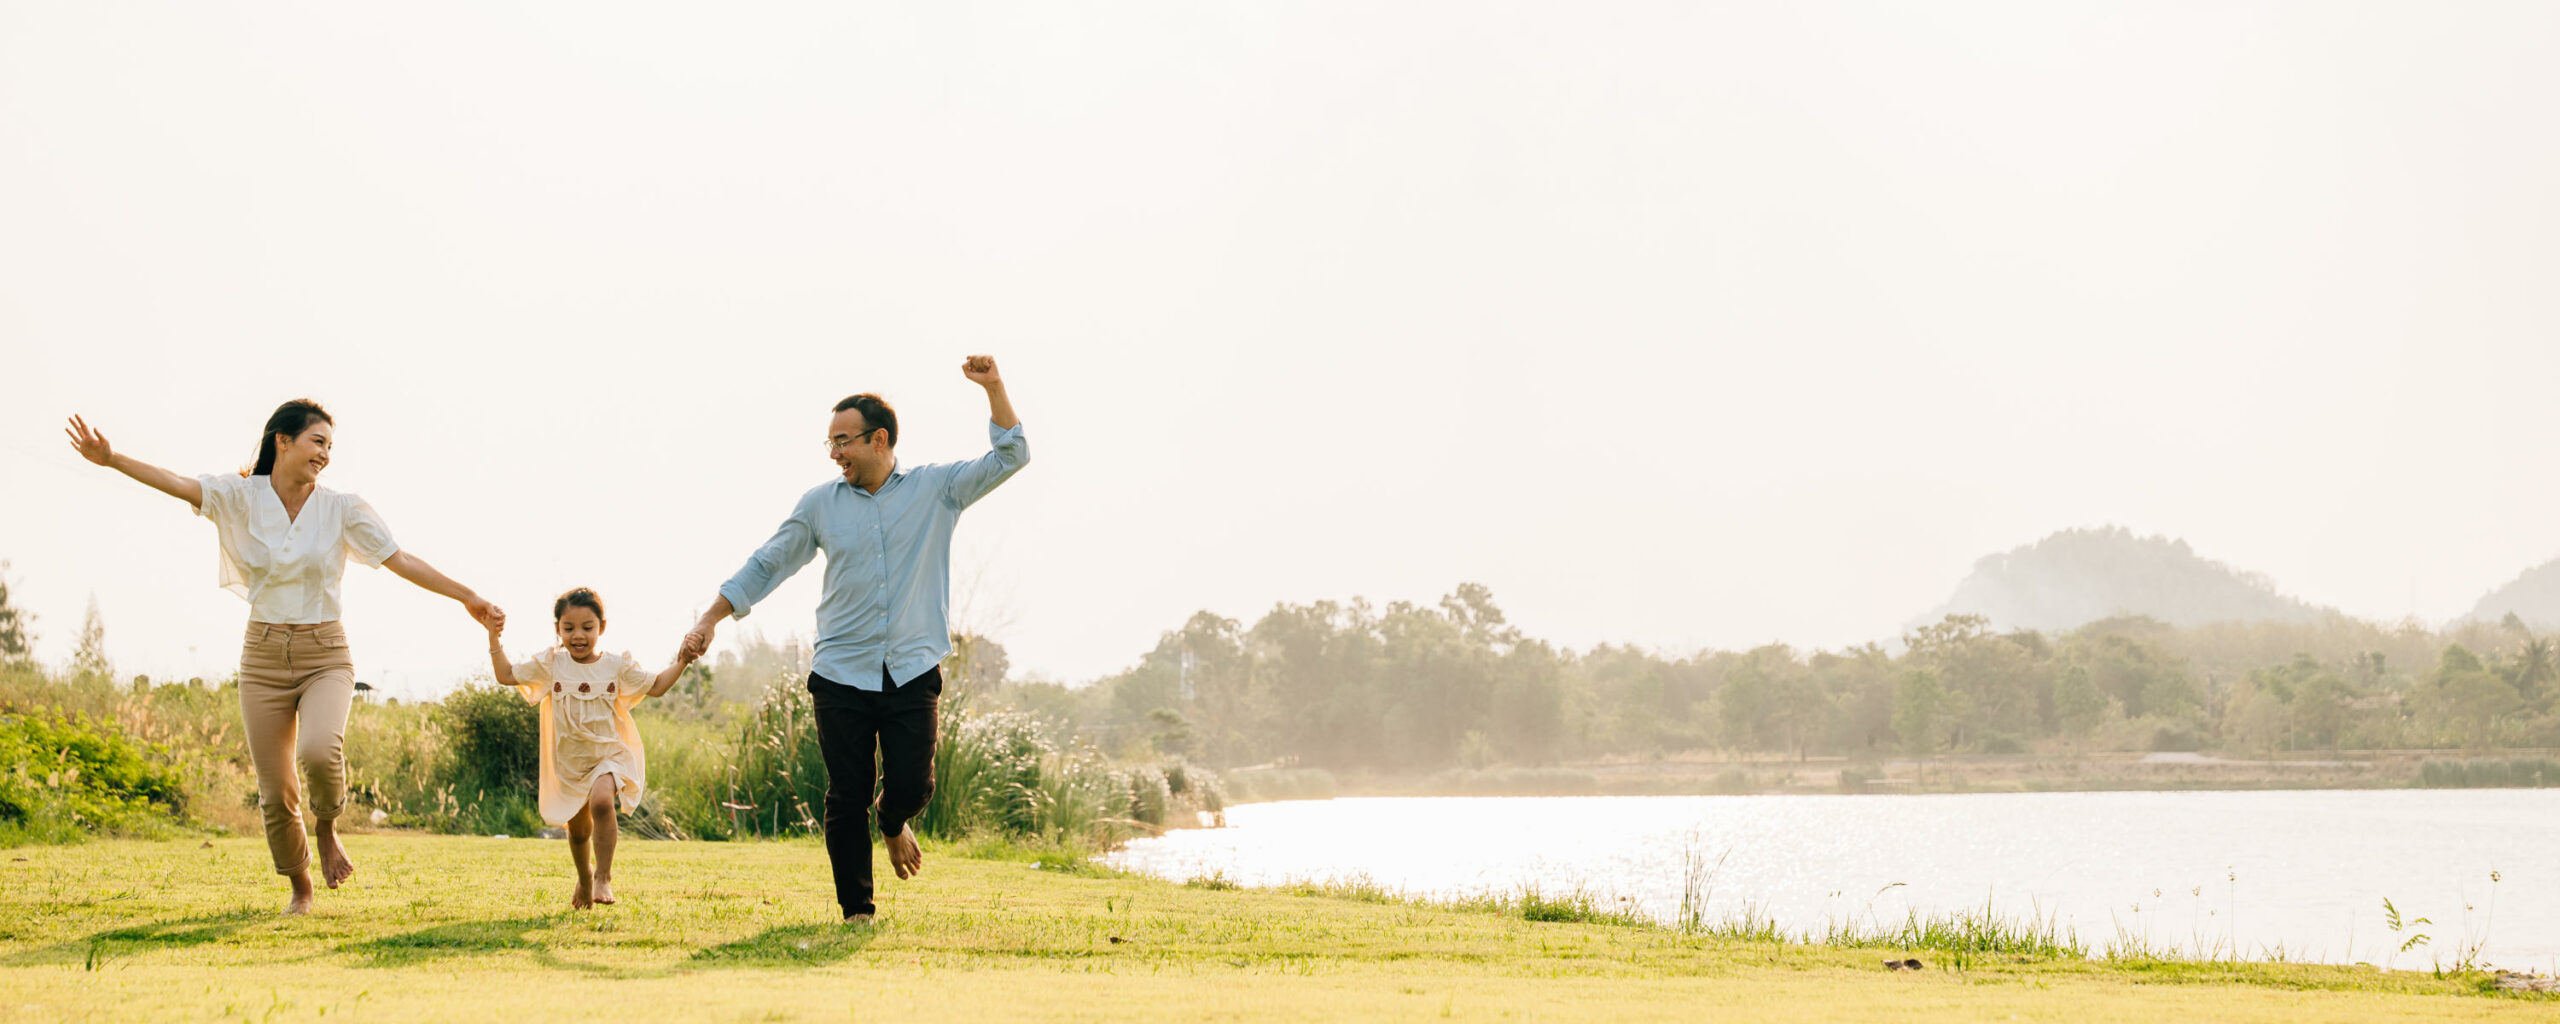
(296, 686)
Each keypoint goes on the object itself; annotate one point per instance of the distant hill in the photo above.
(2076, 577)
(2533, 597)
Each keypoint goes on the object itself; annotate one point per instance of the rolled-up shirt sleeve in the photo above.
(972, 480)
(368, 537)
(793, 544)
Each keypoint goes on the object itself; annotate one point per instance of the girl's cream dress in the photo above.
(586, 727)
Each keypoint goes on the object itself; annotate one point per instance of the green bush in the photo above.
(75, 776)
(492, 759)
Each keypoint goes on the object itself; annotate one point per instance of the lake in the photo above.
(2292, 874)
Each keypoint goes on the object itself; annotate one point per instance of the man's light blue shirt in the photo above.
(886, 602)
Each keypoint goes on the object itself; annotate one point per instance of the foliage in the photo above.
(492, 760)
(1415, 689)
(63, 777)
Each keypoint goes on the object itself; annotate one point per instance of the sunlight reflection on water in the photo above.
(2303, 872)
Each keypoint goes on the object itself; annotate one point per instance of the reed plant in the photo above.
(2490, 773)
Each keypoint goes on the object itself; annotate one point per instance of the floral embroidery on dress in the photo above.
(584, 687)
(555, 687)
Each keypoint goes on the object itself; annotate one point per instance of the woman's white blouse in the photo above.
(287, 567)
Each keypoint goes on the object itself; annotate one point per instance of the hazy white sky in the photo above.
(1677, 324)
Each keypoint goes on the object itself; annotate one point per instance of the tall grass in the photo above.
(997, 773)
(1257, 785)
(2490, 773)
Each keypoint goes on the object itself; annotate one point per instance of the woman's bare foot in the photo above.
(334, 864)
(857, 919)
(904, 854)
(302, 896)
(603, 892)
(584, 895)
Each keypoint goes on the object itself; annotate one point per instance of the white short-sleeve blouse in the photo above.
(288, 567)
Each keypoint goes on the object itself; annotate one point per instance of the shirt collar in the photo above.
(897, 471)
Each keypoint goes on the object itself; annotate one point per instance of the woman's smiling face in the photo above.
(307, 452)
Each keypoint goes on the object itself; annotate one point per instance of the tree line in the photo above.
(1426, 687)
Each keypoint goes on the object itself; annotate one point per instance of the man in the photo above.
(883, 617)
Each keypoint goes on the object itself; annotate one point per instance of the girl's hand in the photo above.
(91, 444)
(489, 614)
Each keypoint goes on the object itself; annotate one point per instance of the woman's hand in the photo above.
(490, 615)
(91, 444)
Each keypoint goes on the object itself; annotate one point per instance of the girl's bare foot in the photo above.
(302, 896)
(604, 890)
(584, 895)
(334, 865)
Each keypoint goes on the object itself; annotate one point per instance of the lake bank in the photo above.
(2300, 875)
(441, 926)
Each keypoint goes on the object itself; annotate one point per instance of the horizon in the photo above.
(1683, 329)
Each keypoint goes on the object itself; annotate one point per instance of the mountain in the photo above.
(2533, 597)
(2080, 576)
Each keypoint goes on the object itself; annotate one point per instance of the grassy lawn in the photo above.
(453, 928)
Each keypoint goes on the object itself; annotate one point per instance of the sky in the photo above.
(1681, 325)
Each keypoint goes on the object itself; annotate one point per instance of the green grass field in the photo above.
(442, 928)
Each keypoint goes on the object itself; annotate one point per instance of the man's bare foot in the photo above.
(302, 895)
(334, 865)
(904, 854)
(857, 919)
(604, 890)
(584, 895)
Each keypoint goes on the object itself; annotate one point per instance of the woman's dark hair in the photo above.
(579, 598)
(876, 414)
(291, 419)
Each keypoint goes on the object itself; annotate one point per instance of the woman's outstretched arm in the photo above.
(93, 446)
(416, 570)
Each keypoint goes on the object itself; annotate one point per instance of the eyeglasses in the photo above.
(835, 444)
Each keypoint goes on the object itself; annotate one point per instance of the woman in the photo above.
(285, 542)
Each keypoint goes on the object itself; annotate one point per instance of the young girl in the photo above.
(590, 748)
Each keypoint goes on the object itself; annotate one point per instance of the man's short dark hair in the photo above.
(876, 414)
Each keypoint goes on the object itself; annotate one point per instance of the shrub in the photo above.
(70, 777)
(492, 757)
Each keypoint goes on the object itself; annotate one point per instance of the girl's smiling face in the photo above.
(579, 627)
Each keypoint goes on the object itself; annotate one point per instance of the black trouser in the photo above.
(900, 718)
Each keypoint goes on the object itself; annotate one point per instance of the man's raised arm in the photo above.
(981, 370)
(972, 480)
